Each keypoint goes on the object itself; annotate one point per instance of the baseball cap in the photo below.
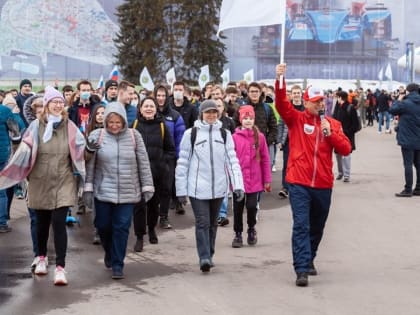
(313, 94)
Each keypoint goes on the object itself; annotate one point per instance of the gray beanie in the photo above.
(207, 105)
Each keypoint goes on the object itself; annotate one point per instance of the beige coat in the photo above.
(52, 184)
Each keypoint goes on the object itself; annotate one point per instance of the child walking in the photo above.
(254, 159)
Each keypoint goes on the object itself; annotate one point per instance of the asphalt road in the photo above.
(368, 262)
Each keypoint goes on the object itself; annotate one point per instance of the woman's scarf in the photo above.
(50, 126)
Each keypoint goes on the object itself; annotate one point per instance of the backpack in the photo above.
(194, 135)
(359, 120)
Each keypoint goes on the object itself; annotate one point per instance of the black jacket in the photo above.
(159, 145)
(349, 120)
(188, 112)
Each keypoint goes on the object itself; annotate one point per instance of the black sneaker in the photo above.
(179, 209)
(164, 223)
(302, 279)
(107, 260)
(339, 177)
(252, 236)
(404, 193)
(416, 192)
(117, 274)
(237, 240)
(138, 247)
(283, 194)
(205, 265)
(153, 237)
(222, 221)
(312, 270)
(5, 229)
(346, 179)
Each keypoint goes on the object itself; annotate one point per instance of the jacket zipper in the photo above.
(211, 160)
(118, 168)
(315, 154)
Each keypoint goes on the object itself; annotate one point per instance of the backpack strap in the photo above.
(193, 136)
(135, 123)
(223, 133)
(162, 130)
(133, 139)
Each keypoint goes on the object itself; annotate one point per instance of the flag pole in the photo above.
(282, 40)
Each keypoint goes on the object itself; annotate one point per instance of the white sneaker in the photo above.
(60, 276)
(274, 169)
(41, 266)
(36, 261)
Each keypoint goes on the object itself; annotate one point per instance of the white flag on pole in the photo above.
(388, 72)
(204, 76)
(381, 74)
(170, 77)
(146, 80)
(100, 83)
(225, 78)
(249, 76)
(245, 13)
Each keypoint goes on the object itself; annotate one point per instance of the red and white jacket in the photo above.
(310, 157)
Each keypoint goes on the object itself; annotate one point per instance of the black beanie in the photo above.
(110, 83)
(23, 82)
(412, 87)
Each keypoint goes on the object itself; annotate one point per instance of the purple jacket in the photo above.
(254, 173)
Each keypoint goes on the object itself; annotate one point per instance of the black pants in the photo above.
(411, 158)
(250, 201)
(57, 217)
(146, 214)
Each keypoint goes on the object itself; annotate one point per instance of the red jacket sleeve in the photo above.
(286, 110)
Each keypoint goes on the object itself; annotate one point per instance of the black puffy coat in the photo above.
(160, 147)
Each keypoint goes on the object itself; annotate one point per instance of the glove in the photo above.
(147, 195)
(92, 146)
(13, 126)
(88, 199)
(239, 193)
(182, 200)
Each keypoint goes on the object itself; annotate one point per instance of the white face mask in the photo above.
(134, 103)
(178, 95)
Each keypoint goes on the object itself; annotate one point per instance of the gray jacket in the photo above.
(119, 171)
(205, 171)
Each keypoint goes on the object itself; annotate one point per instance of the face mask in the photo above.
(178, 95)
(142, 97)
(85, 95)
(134, 103)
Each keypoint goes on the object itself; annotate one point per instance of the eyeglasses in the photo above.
(254, 91)
(57, 102)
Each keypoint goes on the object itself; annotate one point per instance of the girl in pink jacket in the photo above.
(252, 152)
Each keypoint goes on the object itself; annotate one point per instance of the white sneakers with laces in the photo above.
(60, 276)
(41, 265)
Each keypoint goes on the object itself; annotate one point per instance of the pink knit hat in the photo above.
(51, 93)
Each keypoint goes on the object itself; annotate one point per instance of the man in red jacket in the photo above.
(313, 138)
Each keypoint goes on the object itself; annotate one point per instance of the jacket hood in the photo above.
(203, 125)
(27, 109)
(117, 108)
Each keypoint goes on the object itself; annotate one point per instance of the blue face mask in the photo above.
(85, 95)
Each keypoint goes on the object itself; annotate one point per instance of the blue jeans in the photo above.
(224, 207)
(4, 217)
(310, 208)
(32, 216)
(205, 213)
(113, 224)
(410, 158)
(381, 116)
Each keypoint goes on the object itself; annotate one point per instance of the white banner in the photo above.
(204, 76)
(225, 78)
(249, 76)
(246, 13)
(170, 77)
(146, 80)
